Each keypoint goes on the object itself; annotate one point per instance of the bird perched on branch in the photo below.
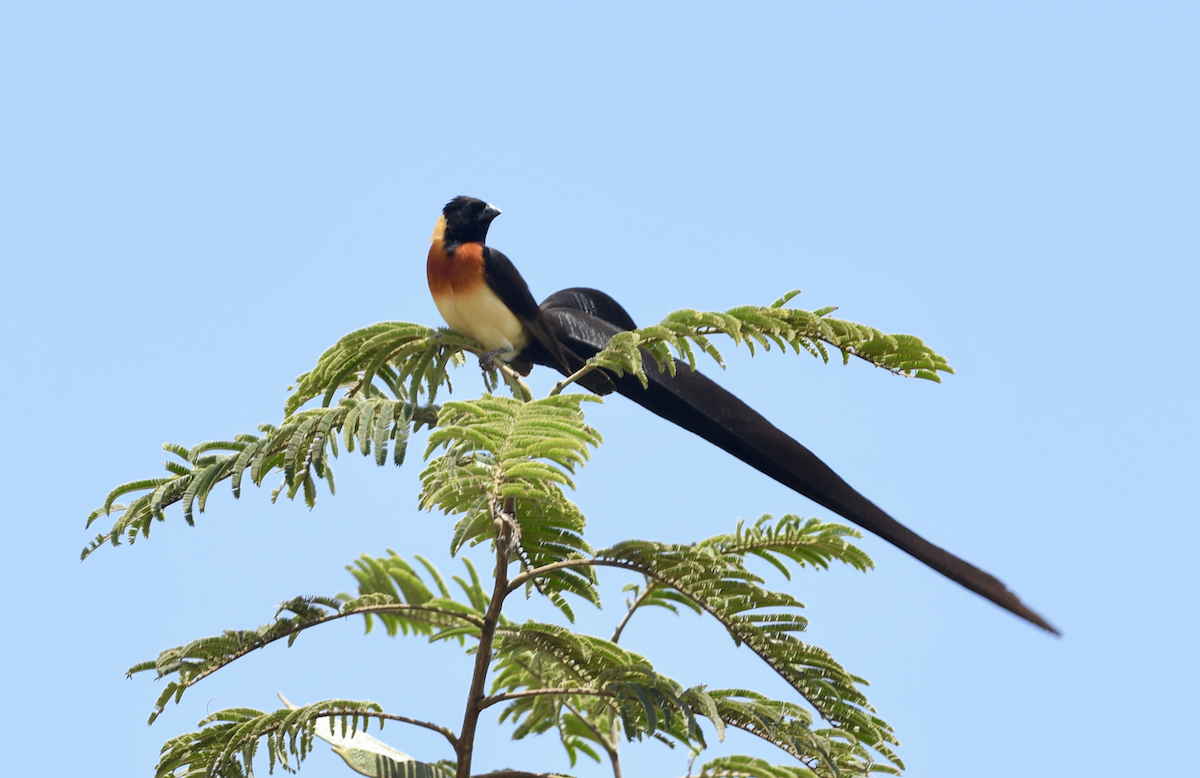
(480, 293)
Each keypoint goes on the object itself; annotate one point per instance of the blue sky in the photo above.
(196, 200)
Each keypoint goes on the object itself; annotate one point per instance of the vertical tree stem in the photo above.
(483, 654)
(614, 754)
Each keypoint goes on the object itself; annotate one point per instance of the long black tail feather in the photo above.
(585, 319)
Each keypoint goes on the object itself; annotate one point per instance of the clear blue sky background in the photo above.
(196, 200)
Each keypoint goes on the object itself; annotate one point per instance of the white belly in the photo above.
(480, 314)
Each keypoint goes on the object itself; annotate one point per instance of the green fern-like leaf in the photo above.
(826, 752)
(229, 739)
(712, 575)
(751, 767)
(501, 451)
(552, 679)
(683, 332)
(762, 620)
(371, 757)
(398, 581)
(409, 360)
(195, 661)
(299, 447)
(560, 664)
(808, 542)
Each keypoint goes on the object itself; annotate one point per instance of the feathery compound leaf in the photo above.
(298, 447)
(371, 757)
(500, 450)
(751, 767)
(195, 661)
(397, 581)
(712, 575)
(810, 331)
(554, 663)
(805, 542)
(826, 752)
(502, 466)
(367, 762)
(719, 583)
(229, 739)
(739, 766)
(409, 359)
(544, 673)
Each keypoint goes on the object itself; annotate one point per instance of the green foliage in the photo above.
(299, 447)
(803, 541)
(408, 359)
(498, 451)
(500, 467)
(368, 756)
(561, 663)
(751, 767)
(439, 618)
(712, 574)
(396, 580)
(826, 751)
(683, 331)
(228, 740)
(375, 765)
(585, 683)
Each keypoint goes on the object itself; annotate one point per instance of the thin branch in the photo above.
(515, 774)
(495, 699)
(515, 381)
(609, 745)
(703, 604)
(445, 732)
(615, 735)
(810, 762)
(563, 384)
(633, 606)
(366, 609)
(338, 713)
(538, 572)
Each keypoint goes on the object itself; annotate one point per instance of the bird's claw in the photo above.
(489, 363)
(489, 360)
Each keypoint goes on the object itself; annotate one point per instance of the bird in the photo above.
(480, 293)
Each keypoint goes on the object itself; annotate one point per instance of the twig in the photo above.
(609, 744)
(488, 702)
(395, 607)
(563, 384)
(515, 382)
(444, 731)
(515, 774)
(650, 586)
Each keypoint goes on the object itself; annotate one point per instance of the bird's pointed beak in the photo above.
(491, 212)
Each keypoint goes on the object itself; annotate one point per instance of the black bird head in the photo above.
(466, 220)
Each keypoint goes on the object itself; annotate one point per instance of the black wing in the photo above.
(502, 276)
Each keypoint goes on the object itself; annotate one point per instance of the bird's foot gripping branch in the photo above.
(498, 467)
